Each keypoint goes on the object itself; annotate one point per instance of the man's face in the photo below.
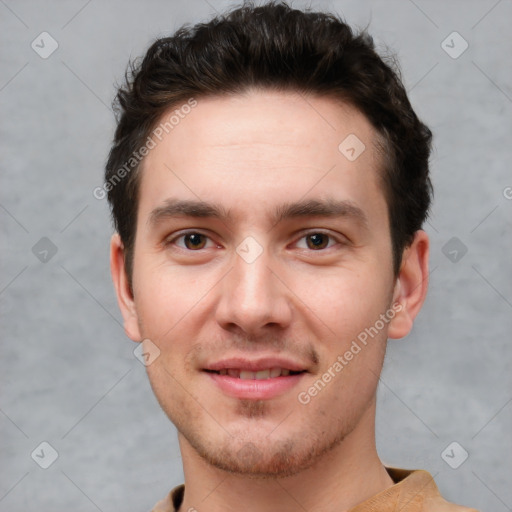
(264, 285)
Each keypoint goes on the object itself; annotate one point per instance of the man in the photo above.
(268, 183)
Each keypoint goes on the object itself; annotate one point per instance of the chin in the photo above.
(263, 459)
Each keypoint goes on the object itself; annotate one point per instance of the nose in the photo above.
(253, 298)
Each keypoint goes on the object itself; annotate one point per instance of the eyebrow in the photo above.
(328, 208)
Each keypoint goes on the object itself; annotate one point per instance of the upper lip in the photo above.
(256, 365)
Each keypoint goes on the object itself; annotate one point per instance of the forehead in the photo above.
(249, 151)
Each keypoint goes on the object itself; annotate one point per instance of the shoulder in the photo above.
(419, 492)
(441, 505)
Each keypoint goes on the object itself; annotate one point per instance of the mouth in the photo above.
(255, 380)
(269, 373)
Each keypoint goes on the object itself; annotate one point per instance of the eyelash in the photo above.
(171, 241)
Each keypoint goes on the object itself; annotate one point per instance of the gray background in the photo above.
(68, 373)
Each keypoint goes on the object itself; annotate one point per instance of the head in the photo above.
(268, 182)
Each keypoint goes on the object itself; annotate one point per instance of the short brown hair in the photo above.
(273, 46)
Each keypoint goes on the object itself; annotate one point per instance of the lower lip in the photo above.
(255, 389)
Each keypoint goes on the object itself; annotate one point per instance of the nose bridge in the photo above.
(251, 296)
(252, 280)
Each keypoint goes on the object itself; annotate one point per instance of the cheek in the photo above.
(165, 296)
(344, 301)
(346, 308)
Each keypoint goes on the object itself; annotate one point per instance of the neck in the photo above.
(347, 475)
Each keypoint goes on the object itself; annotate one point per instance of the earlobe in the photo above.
(124, 294)
(411, 285)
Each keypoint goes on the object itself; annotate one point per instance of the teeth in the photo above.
(262, 374)
(275, 372)
(259, 375)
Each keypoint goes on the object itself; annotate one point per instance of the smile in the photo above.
(269, 373)
(259, 385)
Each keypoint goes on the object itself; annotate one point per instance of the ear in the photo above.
(124, 294)
(411, 285)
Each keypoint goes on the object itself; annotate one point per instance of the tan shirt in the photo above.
(414, 491)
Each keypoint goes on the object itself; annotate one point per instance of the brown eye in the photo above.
(317, 241)
(194, 241)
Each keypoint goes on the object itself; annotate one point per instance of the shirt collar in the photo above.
(410, 490)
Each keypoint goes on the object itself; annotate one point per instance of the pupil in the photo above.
(194, 240)
(318, 240)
